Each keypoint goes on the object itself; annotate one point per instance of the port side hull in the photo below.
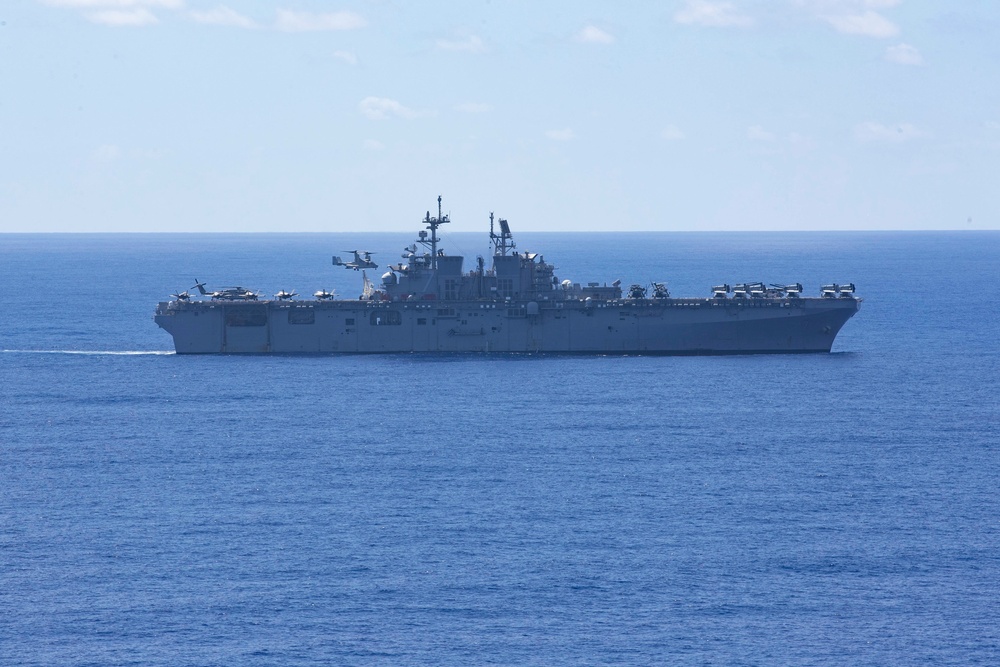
(669, 326)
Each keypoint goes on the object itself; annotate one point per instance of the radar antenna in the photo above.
(502, 242)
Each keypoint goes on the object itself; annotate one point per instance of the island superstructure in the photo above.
(432, 303)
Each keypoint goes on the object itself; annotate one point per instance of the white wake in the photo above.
(116, 353)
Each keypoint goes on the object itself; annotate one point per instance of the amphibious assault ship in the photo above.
(431, 303)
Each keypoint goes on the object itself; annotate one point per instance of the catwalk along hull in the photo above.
(618, 326)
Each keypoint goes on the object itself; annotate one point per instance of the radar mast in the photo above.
(503, 241)
(433, 224)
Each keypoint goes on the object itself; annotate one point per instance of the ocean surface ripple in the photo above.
(832, 509)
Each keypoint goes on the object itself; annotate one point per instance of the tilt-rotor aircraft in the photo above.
(226, 293)
(359, 261)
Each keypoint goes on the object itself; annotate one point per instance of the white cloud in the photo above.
(470, 44)
(118, 13)
(106, 153)
(561, 135)
(123, 17)
(903, 54)
(381, 108)
(222, 16)
(854, 17)
(875, 132)
(844, 7)
(712, 14)
(373, 145)
(758, 133)
(289, 21)
(346, 56)
(474, 107)
(771, 140)
(800, 142)
(114, 4)
(869, 24)
(594, 35)
(671, 133)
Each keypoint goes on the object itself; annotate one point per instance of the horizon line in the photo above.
(532, 231)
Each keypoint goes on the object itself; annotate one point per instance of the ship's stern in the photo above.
(194, 328)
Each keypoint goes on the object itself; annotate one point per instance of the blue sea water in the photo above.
(822, 509)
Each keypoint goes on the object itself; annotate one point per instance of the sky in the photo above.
(354, 115)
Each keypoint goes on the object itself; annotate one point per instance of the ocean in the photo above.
(829, 509)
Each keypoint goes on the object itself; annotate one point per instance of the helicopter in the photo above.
(636, 292)
(226, 293)
(182, 296)
(359, 261)
(284, 296)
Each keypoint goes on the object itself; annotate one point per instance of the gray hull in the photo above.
(620, 326)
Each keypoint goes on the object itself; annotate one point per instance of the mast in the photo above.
(434, 238)
(502, 242)
(433, 224)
